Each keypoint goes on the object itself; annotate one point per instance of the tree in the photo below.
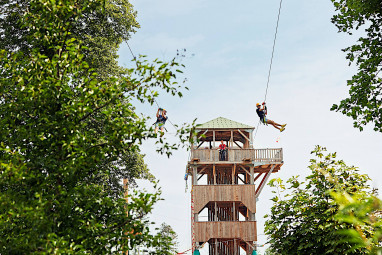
(101, 31)
(170, 243)
(364, 213)
(269, 252)
(59, 122)
(303, 222)
(364, 103)
(130, 165)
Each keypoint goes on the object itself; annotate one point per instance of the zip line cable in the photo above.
(273, 50)
(270, 65)
(154, 98)
(155, 101)
(131, 51)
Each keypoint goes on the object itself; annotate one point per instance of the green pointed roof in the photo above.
(223, 123)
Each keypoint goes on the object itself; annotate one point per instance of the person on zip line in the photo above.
(262, 113)
(161, 120)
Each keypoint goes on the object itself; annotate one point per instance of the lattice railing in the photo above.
(239, 155)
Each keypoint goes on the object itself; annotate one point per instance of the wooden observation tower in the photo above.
(224, 193)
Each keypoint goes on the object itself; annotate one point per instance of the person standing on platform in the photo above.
(222, 151)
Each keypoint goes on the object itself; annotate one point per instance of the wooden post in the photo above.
(214, 173)
(234, 212)
(216, 213)
(251, 138)
(252, 172)
(195, 175)
(125, 194)
(213, 137)
(192, 222)
(252, 215)
(195, 182)
(233, 174)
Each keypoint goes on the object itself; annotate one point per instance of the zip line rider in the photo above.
(262, 112)
(161, 120)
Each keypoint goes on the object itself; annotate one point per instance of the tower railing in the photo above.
(238, 155)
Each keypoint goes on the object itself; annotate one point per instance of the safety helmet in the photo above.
(257, 104)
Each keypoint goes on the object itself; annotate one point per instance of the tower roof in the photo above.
(223, 123)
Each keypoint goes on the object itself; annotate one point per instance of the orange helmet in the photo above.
(257, 104)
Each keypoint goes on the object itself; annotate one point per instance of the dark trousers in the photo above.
(222, 155)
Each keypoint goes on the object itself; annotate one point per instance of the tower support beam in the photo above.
(264, 181)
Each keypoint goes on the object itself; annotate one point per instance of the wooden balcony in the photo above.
(209, 156)
(221, 193)
(244, 230)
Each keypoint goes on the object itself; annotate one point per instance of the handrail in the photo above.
(238, 155)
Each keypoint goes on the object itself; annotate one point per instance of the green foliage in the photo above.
(169, 237)
(100, 30)
(64, 130)
(129, 165)
(364, 103)
(269, 252)
(364, 212)
(303, 221)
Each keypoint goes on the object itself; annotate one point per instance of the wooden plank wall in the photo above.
(234, 193)
(245, 230)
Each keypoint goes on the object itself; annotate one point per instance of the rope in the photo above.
(200, 247)
(257, 128)
(270, 65)
(172, 124)
(155, 101)
(154, 98)
(273, 50)
(131, 51)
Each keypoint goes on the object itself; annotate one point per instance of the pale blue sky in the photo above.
(228, 53)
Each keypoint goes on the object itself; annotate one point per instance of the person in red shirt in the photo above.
(222, 151)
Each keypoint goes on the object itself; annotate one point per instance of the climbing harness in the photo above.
(265, 109)
(262, 113)
(161, 120)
